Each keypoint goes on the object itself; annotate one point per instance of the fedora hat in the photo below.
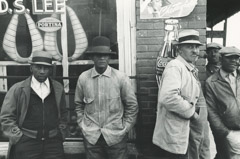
(41, 58)
(229, 51)
(100, 45)
(188, 36)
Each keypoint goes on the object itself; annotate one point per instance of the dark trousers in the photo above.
(28, 148)
(102, 151)
(221, 146)
(169, 155)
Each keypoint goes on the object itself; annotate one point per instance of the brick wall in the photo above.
(149, 39)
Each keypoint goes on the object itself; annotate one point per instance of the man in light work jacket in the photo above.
(34, 114)
(106, 105)
(181, 110)
(223, 101)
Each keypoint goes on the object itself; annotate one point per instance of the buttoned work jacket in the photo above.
(179, 95)
(105, 104)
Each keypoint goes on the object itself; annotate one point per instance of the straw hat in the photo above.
(41, 58)
(188, 36)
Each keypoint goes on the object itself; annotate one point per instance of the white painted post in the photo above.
(64, 44)
(3, 81)
(126, 26)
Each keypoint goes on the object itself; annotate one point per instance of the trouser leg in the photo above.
(95, 151)
(53, 149)
(205, 146)
(28, 148)
(119, 150)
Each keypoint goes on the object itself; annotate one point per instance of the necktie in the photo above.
(195, 73)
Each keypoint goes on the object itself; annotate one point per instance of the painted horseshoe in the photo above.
(9, 40)
(81, 42)
(50, 43)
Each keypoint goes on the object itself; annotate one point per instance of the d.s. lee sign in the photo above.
(48, 7)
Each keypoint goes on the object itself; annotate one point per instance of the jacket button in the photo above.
(14, 130)
(42, 138)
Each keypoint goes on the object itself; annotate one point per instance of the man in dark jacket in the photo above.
(34, 114)
(223, 100)
(213, 57)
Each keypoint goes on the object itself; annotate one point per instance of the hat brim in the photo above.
(231, 54)
(99, 53)
(41, 63)
(190, 42)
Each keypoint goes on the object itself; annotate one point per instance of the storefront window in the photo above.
(96, 17)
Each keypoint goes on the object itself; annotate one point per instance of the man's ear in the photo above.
(179, 50)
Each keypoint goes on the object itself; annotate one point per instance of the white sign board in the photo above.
(156, 9)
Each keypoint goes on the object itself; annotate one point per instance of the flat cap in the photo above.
(229, 51)
(214, 45)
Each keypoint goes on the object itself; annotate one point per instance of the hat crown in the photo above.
(100, 45)
(189, 36)
(229, 51)
(188, 32)
(214, 45)
(101, 41)
(41, 58)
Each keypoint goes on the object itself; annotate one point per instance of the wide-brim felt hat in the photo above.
(188, 36)
(100, 45)
(41, 58)
(229, 51)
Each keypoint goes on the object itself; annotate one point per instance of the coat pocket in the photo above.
(89, 105)
(177, 129)
(114, 104)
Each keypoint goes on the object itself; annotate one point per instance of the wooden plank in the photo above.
(78, 62)
(78, 148)
(70, 147)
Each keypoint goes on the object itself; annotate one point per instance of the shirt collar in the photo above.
(224, 74)
(189, 66)
(37, 84)
(106, 73)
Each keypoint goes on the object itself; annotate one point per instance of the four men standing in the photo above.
(33, 114)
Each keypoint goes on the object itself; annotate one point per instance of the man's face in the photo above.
(230, 63)
(189, 52)
(40, 72)
(101, 61)
(213, 55)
